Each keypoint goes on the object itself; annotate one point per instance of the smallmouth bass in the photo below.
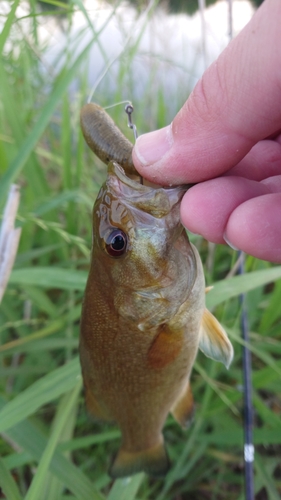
(143, 317)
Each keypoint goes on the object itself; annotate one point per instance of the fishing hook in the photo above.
(129, 108)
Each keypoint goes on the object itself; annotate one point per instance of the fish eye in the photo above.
(116, 243)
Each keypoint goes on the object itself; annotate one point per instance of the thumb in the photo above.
(233, 106)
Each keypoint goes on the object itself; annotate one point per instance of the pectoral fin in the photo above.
(183, 408)
(214, 341)
(154, 461)
(165, 347)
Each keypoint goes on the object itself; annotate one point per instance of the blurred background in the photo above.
(54, 55)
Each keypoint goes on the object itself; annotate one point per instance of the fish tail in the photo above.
(154, 461)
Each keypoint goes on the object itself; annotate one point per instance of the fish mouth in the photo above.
(115, 168)
(159, 202)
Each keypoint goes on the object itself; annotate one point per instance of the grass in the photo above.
(43, 422)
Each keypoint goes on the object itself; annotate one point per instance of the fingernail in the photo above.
(229, 243)
(151, 147)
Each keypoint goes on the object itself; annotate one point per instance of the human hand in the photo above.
(227, 138)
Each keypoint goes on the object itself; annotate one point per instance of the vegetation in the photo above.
(49, 446)
(173, 6)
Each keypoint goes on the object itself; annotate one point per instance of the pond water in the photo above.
(148, 55)
(163, 54)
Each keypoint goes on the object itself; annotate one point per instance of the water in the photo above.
(136, 57)
(163, 57)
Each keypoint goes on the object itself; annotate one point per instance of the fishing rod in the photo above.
(246, 354)
(249, 450)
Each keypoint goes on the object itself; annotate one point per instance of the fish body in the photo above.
(143, 319)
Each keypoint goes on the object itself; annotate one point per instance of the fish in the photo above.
(143, 319)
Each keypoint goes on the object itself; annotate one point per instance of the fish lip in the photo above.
(115, 168)
(158, 202)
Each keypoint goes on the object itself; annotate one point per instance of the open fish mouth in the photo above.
(156, 201)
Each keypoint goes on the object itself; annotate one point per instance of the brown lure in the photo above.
(105, 139)
(143, 318)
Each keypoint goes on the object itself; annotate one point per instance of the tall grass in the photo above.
(50, 448)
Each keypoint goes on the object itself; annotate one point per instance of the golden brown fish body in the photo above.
(143, 319)
(142, 312)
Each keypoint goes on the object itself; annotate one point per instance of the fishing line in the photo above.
(140, 23)
(129, 108)
(118, 104)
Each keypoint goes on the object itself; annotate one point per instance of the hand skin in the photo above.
(227, 138)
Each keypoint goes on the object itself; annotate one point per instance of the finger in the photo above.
(273, 183)
(254, 226)
(206, 207)
(231, 108)
(264, 160)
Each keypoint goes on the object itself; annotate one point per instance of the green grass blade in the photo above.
(126, 489)
(28, 437)
(30, 142)
(263, 355)
(272, 311)
(15, 460)
(52, 328)
(267, 481)
(38, 483)
(54, 202)
(232, 287)
(54, 487)
(86, 441)
(8, 24)
(41, 392)
(212, 384)
(50, 277)
(177, 472)
(40, 298)
(8, 484)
